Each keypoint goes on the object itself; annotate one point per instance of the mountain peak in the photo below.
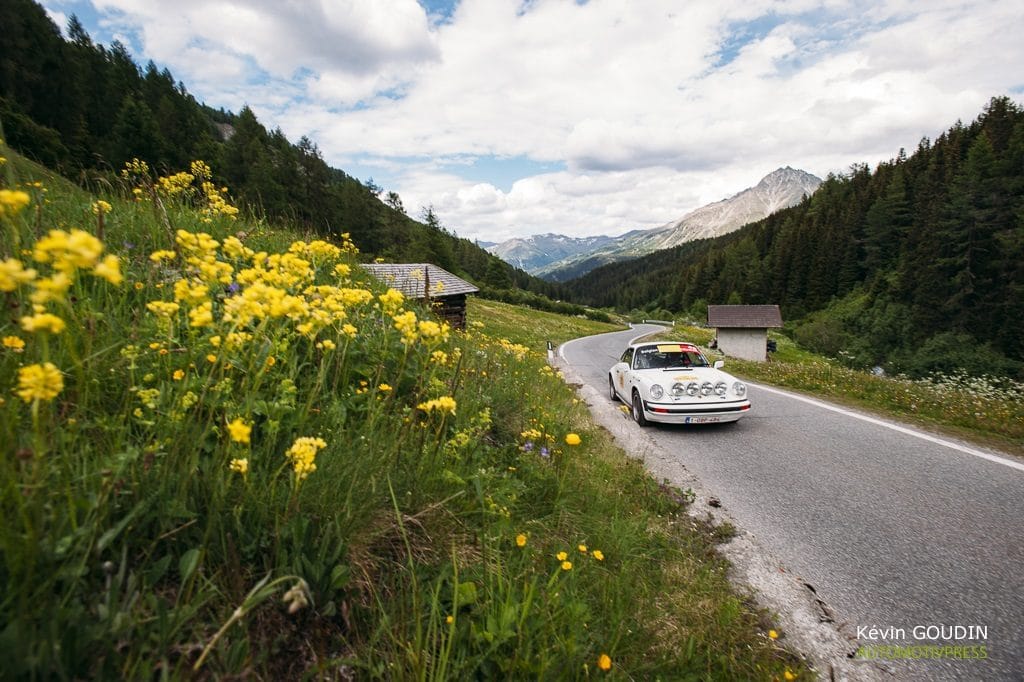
(546, 254)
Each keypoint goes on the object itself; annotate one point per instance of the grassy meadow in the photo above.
(986, 410)
(226, 453)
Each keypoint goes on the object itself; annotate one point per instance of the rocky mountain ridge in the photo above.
(540, 254)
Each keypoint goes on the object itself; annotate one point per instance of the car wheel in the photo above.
(612, 395)
(638, 410)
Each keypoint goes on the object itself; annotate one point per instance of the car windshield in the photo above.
(671, 357)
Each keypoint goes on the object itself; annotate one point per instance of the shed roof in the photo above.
(411, 278)
(748, 316)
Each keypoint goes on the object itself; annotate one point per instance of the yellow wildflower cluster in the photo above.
(267, 286)
(135, 171)
(302, 453)
(182, 186)
(39, 382)
(177, 185)
(392, 301)
(216, 204)
(12, 202)
(316, 250)
(518, 350)
(442, 404)
(414, 330)
(66, 253)
(15, 343)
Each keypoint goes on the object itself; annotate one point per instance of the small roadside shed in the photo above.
(742, 330)
(445, 292)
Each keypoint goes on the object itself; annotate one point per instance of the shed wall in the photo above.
(747, 344)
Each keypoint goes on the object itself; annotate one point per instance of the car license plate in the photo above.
(701, 420)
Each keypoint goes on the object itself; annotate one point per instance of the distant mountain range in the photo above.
(560, 258)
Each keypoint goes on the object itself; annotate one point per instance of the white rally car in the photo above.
(673, 382)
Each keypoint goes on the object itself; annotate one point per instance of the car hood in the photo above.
(670, 376)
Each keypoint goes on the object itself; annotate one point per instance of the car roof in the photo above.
(683, 345)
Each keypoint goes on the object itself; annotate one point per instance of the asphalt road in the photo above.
(897, 530)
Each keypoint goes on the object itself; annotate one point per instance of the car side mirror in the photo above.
(719, 364)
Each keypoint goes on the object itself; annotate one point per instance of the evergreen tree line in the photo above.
(84, 109)
(917, 266)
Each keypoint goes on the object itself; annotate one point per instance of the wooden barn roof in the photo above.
(749, 316)
(410, 278)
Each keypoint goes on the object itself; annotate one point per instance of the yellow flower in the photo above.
(201, 316)
(13, 273)
(562, 556)
(240, 465)
(449, 620)
(772, 634)
(39, 382)
(162, 254)
(521, 540)
(442, 404)
(604, 662)
(163, 308)
(178, 375)
(43, 322)
(50, 288)
(384, 388)
(15, 343)
(109, 269)
(68, 251)
(239, 431)
(597, 554)
(211, 358)
(583, 549)
(101, 206)
(572, 439)
(789, 676)
(12, 201)
(566, 565)
(303, 453)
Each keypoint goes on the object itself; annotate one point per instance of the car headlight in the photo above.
(706, 388)
(657, 391)
(739, 388)
(678, 389)
(692, 389)
(721, 388)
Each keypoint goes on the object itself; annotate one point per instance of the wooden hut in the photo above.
(445, 292)
(742, 330)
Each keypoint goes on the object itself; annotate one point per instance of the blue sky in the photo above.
(517, 117)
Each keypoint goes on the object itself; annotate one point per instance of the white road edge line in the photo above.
(895, 427)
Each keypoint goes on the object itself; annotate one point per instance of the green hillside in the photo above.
(917, 266)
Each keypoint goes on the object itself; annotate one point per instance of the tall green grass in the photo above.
(296, 473)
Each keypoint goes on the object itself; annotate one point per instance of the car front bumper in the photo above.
(696, 413)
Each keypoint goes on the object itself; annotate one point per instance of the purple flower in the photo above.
(527, 446)
(545, 453)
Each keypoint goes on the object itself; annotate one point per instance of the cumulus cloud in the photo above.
(651, 107)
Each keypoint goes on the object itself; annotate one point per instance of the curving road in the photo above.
(896, 529)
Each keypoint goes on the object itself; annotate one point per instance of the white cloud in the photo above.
(653, 107)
